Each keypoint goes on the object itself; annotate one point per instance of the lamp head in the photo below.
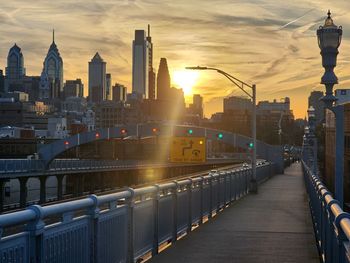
(329, 35)
(197, 68)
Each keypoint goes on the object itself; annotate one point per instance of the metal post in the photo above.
(23, 191)
(339, 153)
(59, 186)
(254, 185)
(42, 189)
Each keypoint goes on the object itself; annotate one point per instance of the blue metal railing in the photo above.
(331, 223)
(123, 226)
(20, 166)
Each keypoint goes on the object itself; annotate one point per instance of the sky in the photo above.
(271, 43)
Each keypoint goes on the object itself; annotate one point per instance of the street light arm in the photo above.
(233, 80)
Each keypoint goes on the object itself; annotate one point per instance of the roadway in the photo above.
(272, 226)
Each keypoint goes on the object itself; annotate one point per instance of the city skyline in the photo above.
(279, 54)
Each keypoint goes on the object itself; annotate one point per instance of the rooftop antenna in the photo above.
(149, 30)
(53, 35)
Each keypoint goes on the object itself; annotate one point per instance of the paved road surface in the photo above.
(272, 226)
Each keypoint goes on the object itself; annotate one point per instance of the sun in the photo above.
(185, 79)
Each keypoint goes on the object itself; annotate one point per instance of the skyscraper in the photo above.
(2, 81)
(119, 92)
(142, 65)
(163, 80)
(151, 73)
(15, 70)
(73, 88)
(53, 69)
(108, 86)
(97, 79)
(315, 101)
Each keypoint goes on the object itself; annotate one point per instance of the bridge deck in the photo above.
(272, 226)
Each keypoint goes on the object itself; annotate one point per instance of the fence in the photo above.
(331, 223)
(123, 226)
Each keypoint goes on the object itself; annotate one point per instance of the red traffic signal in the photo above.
(97, 135)
(66, 143)
(123, 131)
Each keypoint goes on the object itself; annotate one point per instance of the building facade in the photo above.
(163, 80)
(97, 79)
(330, 149)
(74, 88)
(119, 92)
(15, 70)
(316, 102)
(53, 72)
(151, 74)
(109, 86)
(141, 55)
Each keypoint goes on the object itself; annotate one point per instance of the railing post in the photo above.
(174, 193)
(201, 191)
(156, 196)
(341, 237)
(218, 193)
(332, 239)
(94, 212)
(36, 229)
(189, 225)
(130, 203)
(210, 214)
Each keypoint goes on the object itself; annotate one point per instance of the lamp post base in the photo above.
(253, 187)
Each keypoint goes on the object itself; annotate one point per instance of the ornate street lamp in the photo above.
(329, 39)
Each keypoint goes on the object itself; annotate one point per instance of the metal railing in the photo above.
(331, 223)
(17, 166)
(123, 226)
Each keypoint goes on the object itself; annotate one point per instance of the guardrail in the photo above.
(15, 166)
(123, 226)
(331, 223)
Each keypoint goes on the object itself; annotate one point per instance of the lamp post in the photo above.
(329, 39)
(241, 84)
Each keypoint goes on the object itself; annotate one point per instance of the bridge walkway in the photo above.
(272, 226)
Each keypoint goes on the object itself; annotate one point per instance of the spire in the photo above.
(149, 30)
(53, 35)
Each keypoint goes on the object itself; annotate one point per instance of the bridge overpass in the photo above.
(48, 165)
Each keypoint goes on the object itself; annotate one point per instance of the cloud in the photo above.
(238, 36)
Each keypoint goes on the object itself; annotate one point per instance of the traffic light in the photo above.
(97, 135)
(251, 145)
(219, 136)
(123, 132)
(190, 131)
(155, 130)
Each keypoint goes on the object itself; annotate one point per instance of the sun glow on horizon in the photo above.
(185, 79)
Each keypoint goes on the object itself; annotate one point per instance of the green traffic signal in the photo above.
(251, 145)
(190, 131)
(220, 136)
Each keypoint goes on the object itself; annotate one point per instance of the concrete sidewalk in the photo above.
(272, 226)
